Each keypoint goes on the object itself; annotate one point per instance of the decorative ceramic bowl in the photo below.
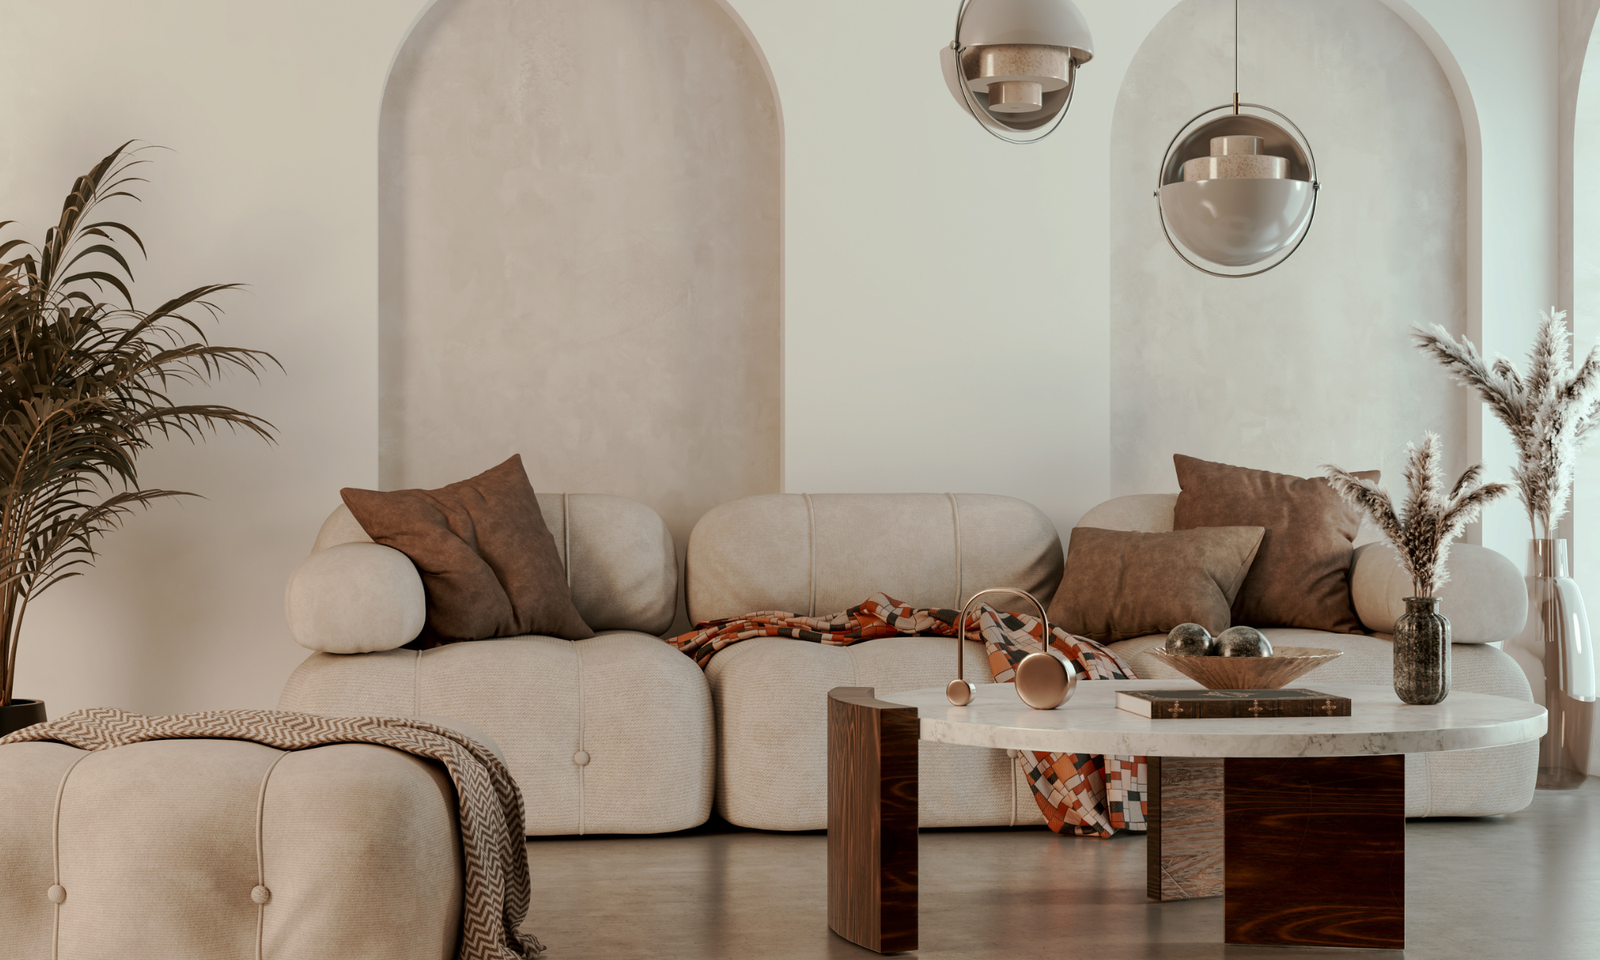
(1249, 673)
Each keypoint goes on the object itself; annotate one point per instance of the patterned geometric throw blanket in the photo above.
(489, 803)
(1084, 794)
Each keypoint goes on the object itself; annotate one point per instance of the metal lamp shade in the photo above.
(1237, 190)
(1014, 62)
(1236, 222)
(1052, 23)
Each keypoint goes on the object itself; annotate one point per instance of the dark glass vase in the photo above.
(1422, 652)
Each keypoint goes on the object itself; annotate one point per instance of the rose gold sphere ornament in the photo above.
(1044, 679)
(1238, 187)
(1013, 64)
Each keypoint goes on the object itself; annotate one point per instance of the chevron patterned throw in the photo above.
(497, 892)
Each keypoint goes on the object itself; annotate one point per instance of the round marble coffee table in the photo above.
(1299, 822)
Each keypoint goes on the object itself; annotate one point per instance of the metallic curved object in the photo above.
(1013, 64)
(1044, 680)
(1237, 221)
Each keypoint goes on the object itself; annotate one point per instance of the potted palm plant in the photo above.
(1421, 533)
(85, 381)
(1550, 407)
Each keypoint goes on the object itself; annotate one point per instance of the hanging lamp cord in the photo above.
(1236, 57)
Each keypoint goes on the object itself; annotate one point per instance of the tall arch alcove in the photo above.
(1310, 363)
(579, 252)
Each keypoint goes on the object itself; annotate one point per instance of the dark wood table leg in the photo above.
(1183, 845)
(1316, 852)
(872, 820)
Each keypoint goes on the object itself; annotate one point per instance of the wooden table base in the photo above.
(872, 820)
(1183, 843)
(1316, 852)
(1312, 851)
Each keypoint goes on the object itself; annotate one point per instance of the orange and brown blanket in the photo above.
(1083, 794)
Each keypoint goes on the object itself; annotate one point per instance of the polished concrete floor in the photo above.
(1521, 886)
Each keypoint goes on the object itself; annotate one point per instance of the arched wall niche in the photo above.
(1310, 363)
(580, 209)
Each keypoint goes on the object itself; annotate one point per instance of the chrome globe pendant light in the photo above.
(1014, 63)
(1237, 189)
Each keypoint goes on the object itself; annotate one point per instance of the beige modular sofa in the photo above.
(607, 735)
(822, 553)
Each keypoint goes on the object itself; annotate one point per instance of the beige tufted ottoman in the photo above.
(213, 849)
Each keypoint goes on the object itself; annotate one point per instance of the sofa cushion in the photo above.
(638, 712)
(817, 554)
(771, 695)
(1301, 575)
(1120, 584)
(488, 562)
(355, 597)
(1485, 599)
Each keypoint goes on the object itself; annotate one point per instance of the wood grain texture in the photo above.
(1316, 851)
(1184, 843)
(872, 820)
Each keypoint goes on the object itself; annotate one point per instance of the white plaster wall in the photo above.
(1310, 363)
(271, 115)
(896, 222)
(580, 252)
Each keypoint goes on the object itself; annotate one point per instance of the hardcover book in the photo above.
(1226, 704)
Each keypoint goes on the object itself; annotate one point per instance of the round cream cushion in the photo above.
(1485, 599)
(355, 598)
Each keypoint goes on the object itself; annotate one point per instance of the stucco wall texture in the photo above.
(601, 297)
(1310, 363)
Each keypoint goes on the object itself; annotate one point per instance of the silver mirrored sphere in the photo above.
(1189, 640)
(1243, 642)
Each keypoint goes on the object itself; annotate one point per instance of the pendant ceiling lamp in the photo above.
(1013, 64)
(1237, 187)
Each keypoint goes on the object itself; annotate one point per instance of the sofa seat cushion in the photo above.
(772, 752)
(1462, 783)
(163, 844)
(607, 735)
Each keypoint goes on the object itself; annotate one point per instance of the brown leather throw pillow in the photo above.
(1301, 576)
(488, 562)
(1120, 584)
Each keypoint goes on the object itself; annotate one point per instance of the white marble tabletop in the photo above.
(1091, 723)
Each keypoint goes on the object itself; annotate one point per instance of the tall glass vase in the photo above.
(1558, 634)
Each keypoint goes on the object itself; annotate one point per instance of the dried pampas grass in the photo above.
(1431, 520)
(1550, 410)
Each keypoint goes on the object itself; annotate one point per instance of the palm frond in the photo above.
(84, 391)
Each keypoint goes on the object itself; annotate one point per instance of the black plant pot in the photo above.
(19, 714)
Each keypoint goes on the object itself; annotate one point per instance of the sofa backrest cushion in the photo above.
(618, 556)
(814, 554)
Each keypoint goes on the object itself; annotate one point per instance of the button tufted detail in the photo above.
(57, 893)
(260, 894)
(581, 758)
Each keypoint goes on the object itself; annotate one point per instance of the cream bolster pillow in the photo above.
(1485, 599)
(355, 598)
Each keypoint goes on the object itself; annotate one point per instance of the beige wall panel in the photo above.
(1312, 362)
(579, 252)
